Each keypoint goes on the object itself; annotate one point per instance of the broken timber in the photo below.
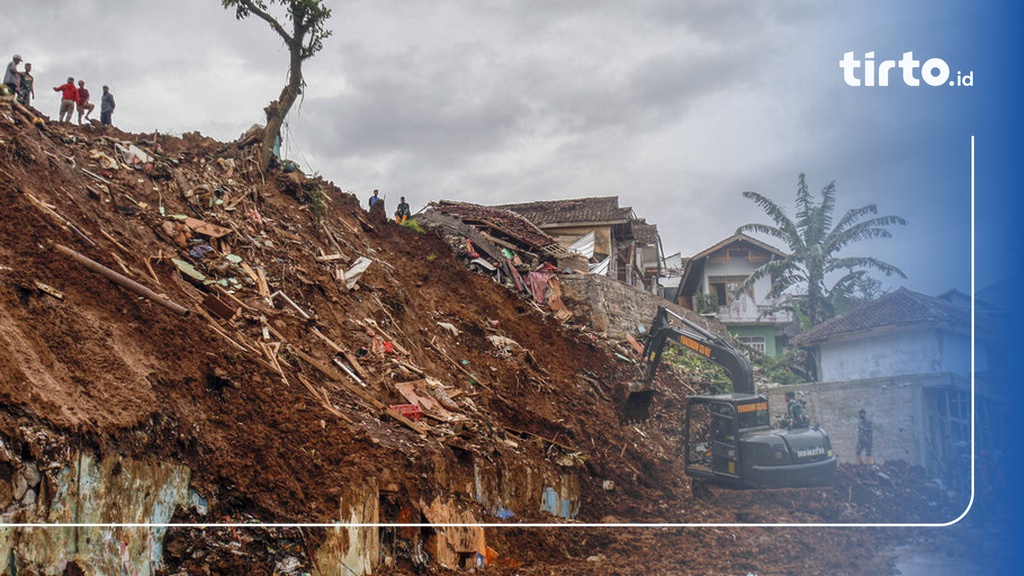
(457, 226)
(365, 396)
(122, 281)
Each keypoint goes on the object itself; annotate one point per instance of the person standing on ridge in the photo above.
(377, 213)
(26, 90)
(83, 101)
(12, 78)
(68, 99)
(106, 106)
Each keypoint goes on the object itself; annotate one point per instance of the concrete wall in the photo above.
(608, 305)
(917, 352)
(895, 405)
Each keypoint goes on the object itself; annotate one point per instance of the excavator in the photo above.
(739, 447)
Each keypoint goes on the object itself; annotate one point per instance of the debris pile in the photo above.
(163, 301)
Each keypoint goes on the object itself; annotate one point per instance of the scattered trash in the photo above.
(355, 272)
(132, 154)
(106, 162)
(189, 270)
(200, 251)
(450, 328)
(410, 411)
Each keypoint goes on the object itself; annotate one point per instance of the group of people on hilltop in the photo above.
(21, 84)
(18, 83)
(377, 207)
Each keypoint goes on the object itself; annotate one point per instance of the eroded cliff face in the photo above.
(55, 515)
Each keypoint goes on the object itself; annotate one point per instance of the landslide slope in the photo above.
(247, 391)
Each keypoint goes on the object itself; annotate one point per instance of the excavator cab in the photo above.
(712, 447)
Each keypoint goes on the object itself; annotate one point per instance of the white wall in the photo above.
(916, 352)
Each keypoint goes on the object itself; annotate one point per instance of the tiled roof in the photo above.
(573, 211)
(900, 309)
(509, 222)
(645, 233)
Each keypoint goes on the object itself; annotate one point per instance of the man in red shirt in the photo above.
(83, 101)
(68, 99)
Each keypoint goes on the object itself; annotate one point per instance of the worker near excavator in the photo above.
(68, 99)
(402, 214)
(864, 437)
(796, 413)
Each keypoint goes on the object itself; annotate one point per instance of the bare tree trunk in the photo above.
(277, 110)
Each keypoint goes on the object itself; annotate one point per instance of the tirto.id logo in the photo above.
(934, 71)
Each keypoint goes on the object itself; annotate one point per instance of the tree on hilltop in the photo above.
(308, 31)
(814, 246)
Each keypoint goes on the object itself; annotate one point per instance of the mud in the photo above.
(271, 436)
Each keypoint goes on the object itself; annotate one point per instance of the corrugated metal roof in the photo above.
(584, 246)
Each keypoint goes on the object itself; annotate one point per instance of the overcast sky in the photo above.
(674, 106)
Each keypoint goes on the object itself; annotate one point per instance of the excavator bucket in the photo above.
(638, 402)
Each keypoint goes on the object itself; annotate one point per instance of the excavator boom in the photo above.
(698, 340)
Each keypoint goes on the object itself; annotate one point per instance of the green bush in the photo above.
(707, 303)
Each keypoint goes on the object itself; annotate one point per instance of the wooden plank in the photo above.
(348, 356)
(338, 379)
(636, 345)
(219, 307)
(206, 229)
(324, 400)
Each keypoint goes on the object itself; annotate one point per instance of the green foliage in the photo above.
(319, 202)
(306, 16)
(782, 369)
(412, 225)
(814, 245)
(697, 370)
(707, 303)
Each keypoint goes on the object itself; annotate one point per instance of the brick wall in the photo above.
(895, 405)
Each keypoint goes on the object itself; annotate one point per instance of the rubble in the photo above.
(284, 394)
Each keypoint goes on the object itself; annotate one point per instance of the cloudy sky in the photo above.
(674, 106)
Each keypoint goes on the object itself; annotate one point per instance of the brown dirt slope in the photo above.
(252, 401)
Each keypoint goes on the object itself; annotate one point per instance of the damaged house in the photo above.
(622, 247)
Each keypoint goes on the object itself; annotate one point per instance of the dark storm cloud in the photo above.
(675, 106)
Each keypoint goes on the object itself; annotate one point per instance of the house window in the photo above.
(755, 342)
(725, 288)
